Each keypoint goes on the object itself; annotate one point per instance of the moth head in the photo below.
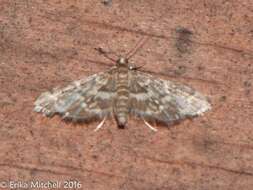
(122, 61)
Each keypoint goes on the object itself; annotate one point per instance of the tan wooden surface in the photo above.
(44, 44)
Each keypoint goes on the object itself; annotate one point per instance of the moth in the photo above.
(120, 92)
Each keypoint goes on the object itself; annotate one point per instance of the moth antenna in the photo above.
(105, 54)
(100, 125)
(149, 126)
(102, 51)
(139, 45)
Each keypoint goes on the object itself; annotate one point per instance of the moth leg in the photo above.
(149, 126)
(100, 125)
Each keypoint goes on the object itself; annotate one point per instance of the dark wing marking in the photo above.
(163, 100)
(85, 99)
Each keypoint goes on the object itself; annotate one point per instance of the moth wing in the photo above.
(85, 99)
(162, 100)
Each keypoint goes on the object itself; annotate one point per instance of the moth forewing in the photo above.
(163, 100)
(82, 100)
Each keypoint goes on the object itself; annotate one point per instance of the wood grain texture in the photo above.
(44, 44)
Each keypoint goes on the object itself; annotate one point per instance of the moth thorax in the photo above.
(122, 61)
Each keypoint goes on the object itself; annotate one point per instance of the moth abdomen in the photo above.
(121, 119)
(121, 106)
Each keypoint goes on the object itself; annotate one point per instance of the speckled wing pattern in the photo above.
(83, 100)
(149, 98)
(163, 100)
